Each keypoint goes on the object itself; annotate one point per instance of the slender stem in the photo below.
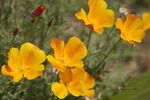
(53, 96)
(107, 42)
(12, 41)
(106, 55)
(108, 39)
(87, 45)
(16, 86)
(89, 38)
(8, 13)
(43, 35)
(15, 15)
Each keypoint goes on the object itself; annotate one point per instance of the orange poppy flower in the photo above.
(131, 29)
(70, 55)
(75, 81)
(24, 63)
(98, 16)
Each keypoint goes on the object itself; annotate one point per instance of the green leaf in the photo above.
(136, 89)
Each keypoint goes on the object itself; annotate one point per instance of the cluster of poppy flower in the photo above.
(27, 62)
(68, 59)
(132, 28)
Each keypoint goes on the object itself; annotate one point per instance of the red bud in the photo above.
(37, 12)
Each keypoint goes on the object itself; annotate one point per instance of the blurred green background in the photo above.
(58, 20)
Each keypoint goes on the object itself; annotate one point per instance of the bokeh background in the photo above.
(127, 66)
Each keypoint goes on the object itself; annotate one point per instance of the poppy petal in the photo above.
(55, 63)
(58, 47)
(14, 61)
(81, 15)
(75, 50)
(59, 90)
(31, 55)
(29, 74)
(146, 20)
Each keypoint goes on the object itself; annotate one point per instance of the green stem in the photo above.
(53, 96)
(108, 39)
(106, 55)
(43, 35)
(107, 42)
(89, 38)
(12, 41)
(87, 45)
(17, 87)
(8, 13)
(42, 38)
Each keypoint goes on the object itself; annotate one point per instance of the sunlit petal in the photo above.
(29, 74)
(81, 15)
(59, 90)
(58, 47)
(55, 63)
(146, 20)
(14, 61)
(131, 29)
(75, 49)
(31, 55)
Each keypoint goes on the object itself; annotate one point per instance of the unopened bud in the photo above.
(37, 12)
(15, 32)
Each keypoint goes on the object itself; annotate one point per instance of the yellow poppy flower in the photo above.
(24, 63)
(131, 29)
(98, 16)
(75, 81)
(59, 90)
(70, 55)
(146, 20)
